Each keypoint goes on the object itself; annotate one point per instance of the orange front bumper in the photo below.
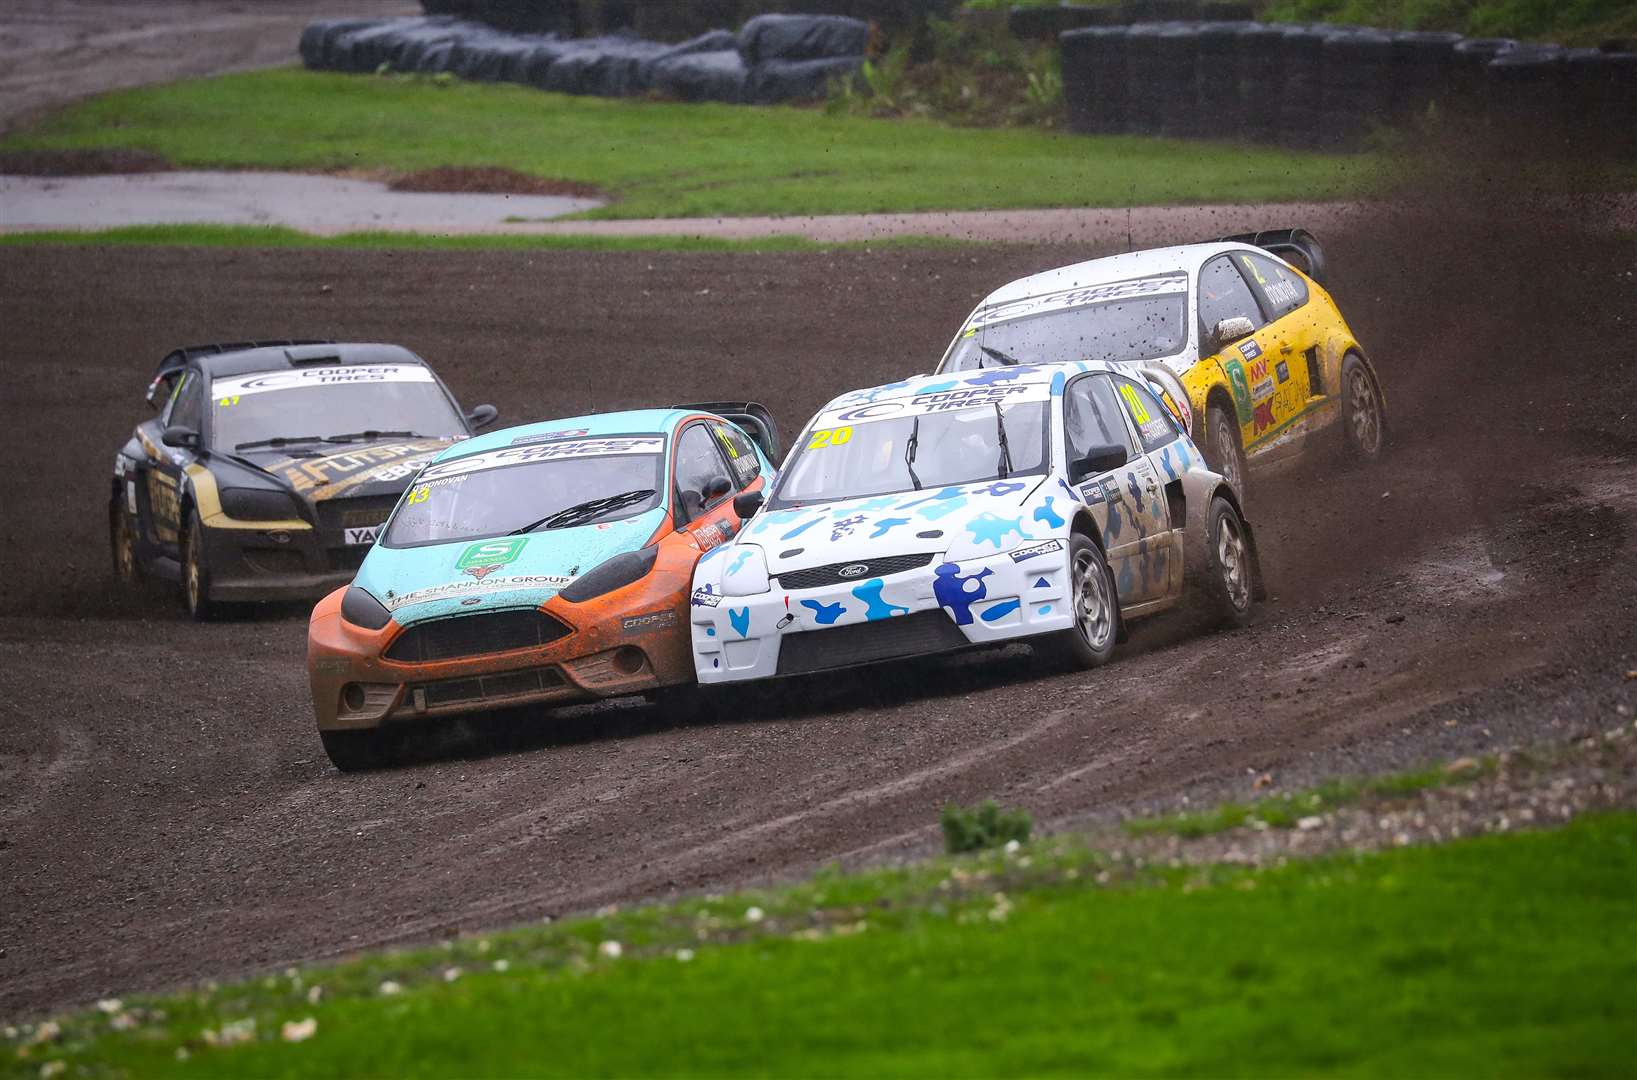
(626, 641)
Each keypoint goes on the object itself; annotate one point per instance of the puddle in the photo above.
(314, 204)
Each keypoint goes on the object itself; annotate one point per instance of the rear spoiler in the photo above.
(177, 359)
(1298, 247)
(753, 418)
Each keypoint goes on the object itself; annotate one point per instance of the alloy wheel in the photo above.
(1232, 562)
(1093, 613)
(1364, 411)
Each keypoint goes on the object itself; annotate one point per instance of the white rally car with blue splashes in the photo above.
(1052, 503)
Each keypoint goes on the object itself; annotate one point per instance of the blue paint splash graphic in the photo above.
(825, 614)
(957, 593)
(799, 529)
(1001, 610)
(740, 618)
(886, 525)
(987, 528)
(874, 607)
(738, 561)
(1048, 515)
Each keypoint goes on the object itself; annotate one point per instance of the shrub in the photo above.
(985, 826)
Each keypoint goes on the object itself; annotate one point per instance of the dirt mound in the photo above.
(80, 162)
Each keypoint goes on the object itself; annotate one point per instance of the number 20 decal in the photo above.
(830, 437)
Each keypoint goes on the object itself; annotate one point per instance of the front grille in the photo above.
(815, 576)
(488, 687)
(474, 635)
(275, 561)
(863, 643)
(360, 513)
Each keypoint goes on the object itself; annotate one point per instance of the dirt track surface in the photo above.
(56, 51)
(167, 814)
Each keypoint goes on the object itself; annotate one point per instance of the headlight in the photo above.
(361, 609)
(746, 571)
(258, 504)
(611, 574)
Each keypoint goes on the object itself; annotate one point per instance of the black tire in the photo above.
(122, 540)
(196, 573)
(1090, 641)
(1230, 566)
(1223, 451)
(360, 751)
(1363, 415)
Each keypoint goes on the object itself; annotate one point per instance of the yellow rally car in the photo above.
(1257, 359)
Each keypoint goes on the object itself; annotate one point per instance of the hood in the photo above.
(961, 521)
(375, 468)
(467, 576)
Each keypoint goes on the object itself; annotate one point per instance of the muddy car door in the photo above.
(704, 486)
(1108, 467)
(1286, 382)
(1161, 479)
(1224, 297)
(168, 451)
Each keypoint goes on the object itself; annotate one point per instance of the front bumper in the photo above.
(628, 641)
(984, 600)
(278, 563)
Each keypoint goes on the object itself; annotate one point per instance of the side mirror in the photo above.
(481, 417)
(747, 503)
(1100, 459)
(1228, 331)
(179, 436)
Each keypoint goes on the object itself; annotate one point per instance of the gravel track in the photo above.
(166, 813)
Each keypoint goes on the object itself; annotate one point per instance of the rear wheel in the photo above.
(1223, 451)
(359, 751)
(122, 537)
(1230, 581)
(1364, 422)
(1090, 641)
(196, 573)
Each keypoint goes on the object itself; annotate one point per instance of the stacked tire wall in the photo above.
(772, 58)
(1327, 87)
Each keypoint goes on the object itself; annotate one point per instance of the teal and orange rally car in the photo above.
(547, 563)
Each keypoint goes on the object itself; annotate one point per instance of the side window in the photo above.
(1091, 417)
(1148, 416)
(702, 479)
(1223, 294)
(185, 408)
(741, 455)
(1282, 289)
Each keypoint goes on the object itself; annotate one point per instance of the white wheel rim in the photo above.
(1364, 410)
(1232, 563)
(1226, 451)
(1092, 614)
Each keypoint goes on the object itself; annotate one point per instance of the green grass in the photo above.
(1285, 809)
(671, 160)
(1505, 955)
(261, 236)
(1571, 22)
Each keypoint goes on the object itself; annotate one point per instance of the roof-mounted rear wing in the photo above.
(1298, 247)
(754, 418)
(177, 359)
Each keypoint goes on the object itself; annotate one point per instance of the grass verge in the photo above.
(260, 236)
(1509, 953)
(672, 160)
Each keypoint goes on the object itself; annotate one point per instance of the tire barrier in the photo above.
(772, 58)
(1325, 86)
(1048, 21)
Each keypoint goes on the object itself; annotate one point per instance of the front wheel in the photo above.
(1230, 571)
(1364, 421)
(360, 751)
(1224, 452)
(196, 573)
(122, 537)
(1095, 605)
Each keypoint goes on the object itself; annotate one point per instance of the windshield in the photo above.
(530, 487)
(906, 452)
(1134, 328)
(338, 403)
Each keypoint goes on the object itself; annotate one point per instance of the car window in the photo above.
(1223, 294)
(700, 468)
(1151, 419)
(1091, 417)
(1282, 289)
(185, 409)
(741, 455)
(174, 390)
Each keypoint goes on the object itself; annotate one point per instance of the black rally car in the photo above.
(270, 465)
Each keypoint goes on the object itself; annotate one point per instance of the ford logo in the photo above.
(854, 570)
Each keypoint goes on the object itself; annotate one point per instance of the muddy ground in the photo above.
(167, 814)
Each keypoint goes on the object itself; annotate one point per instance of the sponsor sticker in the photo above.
(1032, 550)
(549, 436)
(383, 462)
(705, 598)
(653, 620)
(491, 553)
(1283, 371)
(493, 585)
(330, 665)
(550, 451)
(1111, 490)
(1261, 391)
(363, 536)
(262, 382)
(1091, 494)
(1241, 390)
(1249, 349)
(1092, 294)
